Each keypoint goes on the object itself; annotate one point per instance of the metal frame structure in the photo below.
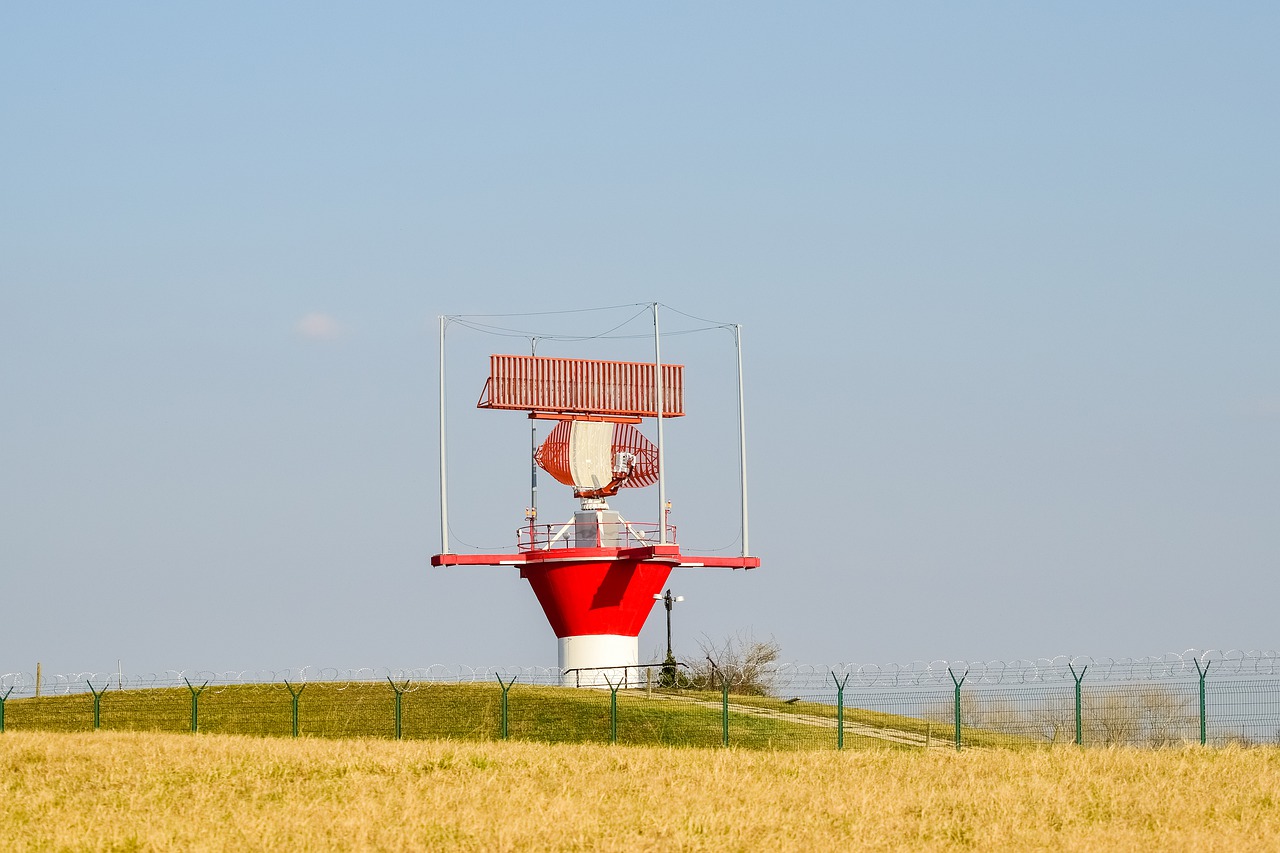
(596, 575)
(662, 489)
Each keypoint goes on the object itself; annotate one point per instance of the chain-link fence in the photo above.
(1213, 698)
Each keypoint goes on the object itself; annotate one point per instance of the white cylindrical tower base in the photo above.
(587, 661)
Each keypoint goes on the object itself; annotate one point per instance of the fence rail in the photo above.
(1207, 697)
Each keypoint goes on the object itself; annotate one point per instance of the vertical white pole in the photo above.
(533, 455)
(444, 484)
(662, 468)
(742, 439)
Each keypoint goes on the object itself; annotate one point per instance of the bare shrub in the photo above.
(1153, 715)
(745, 662)
(984, 709)
(1054, 719)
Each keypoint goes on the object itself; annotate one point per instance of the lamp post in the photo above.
(668, 678)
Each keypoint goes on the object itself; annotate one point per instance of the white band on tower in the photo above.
(581, 658)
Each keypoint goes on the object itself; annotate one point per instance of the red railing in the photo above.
(608, 534)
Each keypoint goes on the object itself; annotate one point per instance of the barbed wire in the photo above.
(24, 683)
(780, 676)
(1171, 665)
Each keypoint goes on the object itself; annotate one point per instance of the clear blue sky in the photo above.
(1009, 276)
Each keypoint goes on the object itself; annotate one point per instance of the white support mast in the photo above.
(533, 453)
(742, 438)
(662, 468)
(444, 487)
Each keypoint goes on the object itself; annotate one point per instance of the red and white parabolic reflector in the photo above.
(599, 458)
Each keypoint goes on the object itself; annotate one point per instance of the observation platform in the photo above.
(668, 554)
(614, 542)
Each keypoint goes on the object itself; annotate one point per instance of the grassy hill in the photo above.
(472, 711)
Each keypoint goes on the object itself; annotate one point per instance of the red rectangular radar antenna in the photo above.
(570, 388)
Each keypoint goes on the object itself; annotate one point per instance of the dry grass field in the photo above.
(147, 791)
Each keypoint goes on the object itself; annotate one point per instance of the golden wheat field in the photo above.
(137, 791)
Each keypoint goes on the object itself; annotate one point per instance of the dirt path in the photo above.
(898, 736)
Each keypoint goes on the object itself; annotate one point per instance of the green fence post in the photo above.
(1202, 673)
(97, 705)
(840, 708)
(505, 687)
(294, 694)
(613, 709)
(3, 699)
(957, 684)
(399, 689)
(1079, 678)
(195, 703)
(724, 711)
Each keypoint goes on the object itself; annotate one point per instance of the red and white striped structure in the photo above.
(577, 387)
(596, 575)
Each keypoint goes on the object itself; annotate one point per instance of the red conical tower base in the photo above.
(597, 600)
